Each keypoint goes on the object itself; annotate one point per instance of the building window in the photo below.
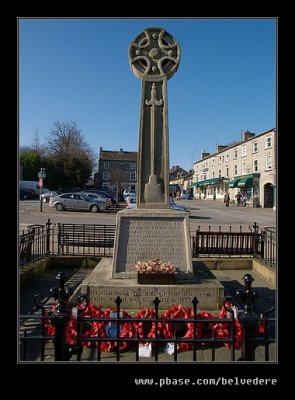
(235, 170)
(244, 168)
(219, 160)
(132, 176)
(204, 177)
(219, 173)
(226, 173)
(133, 165)
(213, 174)
(213, 160)
(268, 142)
(235, 154)
(244, 151)
(105, 176)
(268, 163)
(105, 185)
(255, 147)
(227, 157)
(255, 166)
(223, 158)
(106, 165)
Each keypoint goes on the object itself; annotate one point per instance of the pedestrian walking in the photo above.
(238, 197)
(227, 200)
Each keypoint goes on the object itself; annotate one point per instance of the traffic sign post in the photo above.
(41, 176)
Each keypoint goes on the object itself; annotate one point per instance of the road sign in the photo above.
(42, 174)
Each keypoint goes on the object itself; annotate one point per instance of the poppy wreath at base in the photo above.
(139, 329)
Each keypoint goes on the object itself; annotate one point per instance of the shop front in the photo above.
(247, 186)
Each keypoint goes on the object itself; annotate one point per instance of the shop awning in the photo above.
(212, 181)
(193, 184)
(246, 181)
(234, 182)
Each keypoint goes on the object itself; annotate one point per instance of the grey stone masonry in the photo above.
(143, 235)
(154, 57)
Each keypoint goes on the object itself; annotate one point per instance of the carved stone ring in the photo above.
(154, 55)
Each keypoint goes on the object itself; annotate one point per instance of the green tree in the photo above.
(31, 162)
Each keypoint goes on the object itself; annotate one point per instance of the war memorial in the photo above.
(152, 230)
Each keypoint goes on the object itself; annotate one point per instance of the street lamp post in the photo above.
(41, 176)
(119, 184)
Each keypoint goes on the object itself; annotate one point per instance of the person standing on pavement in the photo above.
(238, 197)
(227, 200)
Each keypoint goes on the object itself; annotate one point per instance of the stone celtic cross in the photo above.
(154, 57)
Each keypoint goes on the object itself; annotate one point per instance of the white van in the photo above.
(32, 185)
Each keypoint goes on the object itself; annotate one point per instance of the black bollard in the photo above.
(248, 318)
(60, 317)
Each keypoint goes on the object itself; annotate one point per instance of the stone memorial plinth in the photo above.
(102, 290)
(143, 235)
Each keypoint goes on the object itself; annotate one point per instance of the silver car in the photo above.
(107, 202)
(46, 196)
(76, 201)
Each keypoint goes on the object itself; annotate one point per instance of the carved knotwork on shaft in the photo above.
(153, 102)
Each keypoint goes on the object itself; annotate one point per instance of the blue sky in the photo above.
(78, 70)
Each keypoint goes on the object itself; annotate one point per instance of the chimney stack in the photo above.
(247, 135)
(204, 154)
(221, 147)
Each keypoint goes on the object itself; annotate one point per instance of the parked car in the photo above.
(27, 194)
(178, 207)
(76, 201)
(46, 196)
(102, 193)
(98, 197)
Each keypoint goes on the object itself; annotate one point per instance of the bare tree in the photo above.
(65, 138)
(67, 146)
(36, 146)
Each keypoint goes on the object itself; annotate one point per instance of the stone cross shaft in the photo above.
(154, 57)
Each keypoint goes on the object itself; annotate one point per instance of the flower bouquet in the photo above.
(155, 272)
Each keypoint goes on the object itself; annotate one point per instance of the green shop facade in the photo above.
(217, 188)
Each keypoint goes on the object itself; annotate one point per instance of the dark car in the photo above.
(27, 194)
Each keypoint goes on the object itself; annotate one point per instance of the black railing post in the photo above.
(156, 303)
(271, 302)
(256, 237)
(60, 317)
(48, 229)
(195, 302)
(248, 318)
(118, 302)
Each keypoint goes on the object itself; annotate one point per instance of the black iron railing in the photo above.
(65, 348)
(34, 245)
(227, 243)
(269, 246)
(98, 240)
